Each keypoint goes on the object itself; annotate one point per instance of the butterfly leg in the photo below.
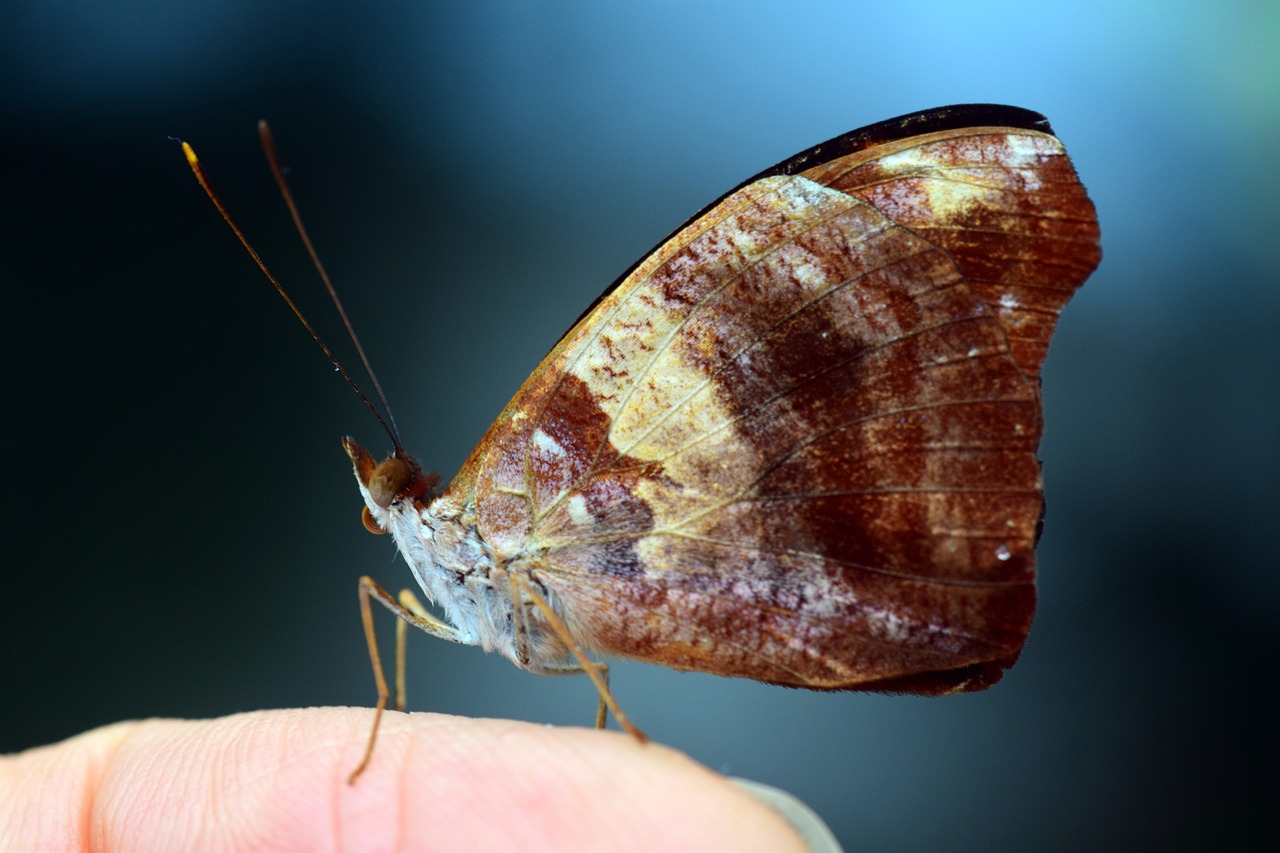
(522, 592)
(409, 612)
(409, 602)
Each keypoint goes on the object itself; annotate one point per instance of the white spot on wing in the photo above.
(547, 445)
(578, 510)
(1028, 149)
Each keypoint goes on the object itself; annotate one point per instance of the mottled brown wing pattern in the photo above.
(1024, 238)
(797, 443)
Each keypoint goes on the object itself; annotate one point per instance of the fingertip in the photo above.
(254, 779)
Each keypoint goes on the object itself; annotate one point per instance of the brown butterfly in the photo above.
(796, 443)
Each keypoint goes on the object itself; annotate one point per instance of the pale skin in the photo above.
(278, 780)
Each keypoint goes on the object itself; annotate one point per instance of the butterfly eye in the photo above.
(387, 480)
(370, 523)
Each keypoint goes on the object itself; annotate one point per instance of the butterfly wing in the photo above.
(797, 442)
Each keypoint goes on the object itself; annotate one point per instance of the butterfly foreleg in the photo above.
(522, 593)
(408, 611)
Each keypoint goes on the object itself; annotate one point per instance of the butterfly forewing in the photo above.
(797, 443)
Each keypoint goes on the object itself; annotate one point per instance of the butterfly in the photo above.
(795, 443)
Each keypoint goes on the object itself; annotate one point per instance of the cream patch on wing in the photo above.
(671, 411)
(665, 410)
(949, 180)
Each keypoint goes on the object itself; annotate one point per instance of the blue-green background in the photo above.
(180, 524)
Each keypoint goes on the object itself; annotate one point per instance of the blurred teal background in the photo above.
(181, 525)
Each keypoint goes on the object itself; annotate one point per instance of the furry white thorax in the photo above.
(454, 567)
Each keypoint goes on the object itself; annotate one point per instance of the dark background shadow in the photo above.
(180, 521)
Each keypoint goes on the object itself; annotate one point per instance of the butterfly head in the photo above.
(395, 479)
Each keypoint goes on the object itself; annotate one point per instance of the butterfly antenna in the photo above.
(196, 168)
(269, 146)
